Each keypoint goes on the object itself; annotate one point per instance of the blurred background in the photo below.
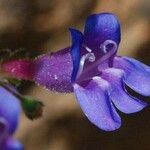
(39, 26)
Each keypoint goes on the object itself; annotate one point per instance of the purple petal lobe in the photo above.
(11, 144)
(101, 27)
(9, 109)
(137, 74)
(122, 100)
(96, 104)
(53, 71)
(77, 38)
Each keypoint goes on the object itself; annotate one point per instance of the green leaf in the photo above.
(31, 107)
(14, 82)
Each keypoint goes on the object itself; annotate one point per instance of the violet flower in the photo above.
(91, 68)
(9, 115)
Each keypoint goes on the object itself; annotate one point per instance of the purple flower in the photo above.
(91, 68)
(9, 115)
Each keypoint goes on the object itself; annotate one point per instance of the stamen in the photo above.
(104, 46)
(87, 48)
(107, 54)
(90, 57)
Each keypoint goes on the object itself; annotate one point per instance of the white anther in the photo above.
(90, 57)
(87, 48)
(104, 45)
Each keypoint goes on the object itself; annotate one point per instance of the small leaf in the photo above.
(31, 107)
(14, 82)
